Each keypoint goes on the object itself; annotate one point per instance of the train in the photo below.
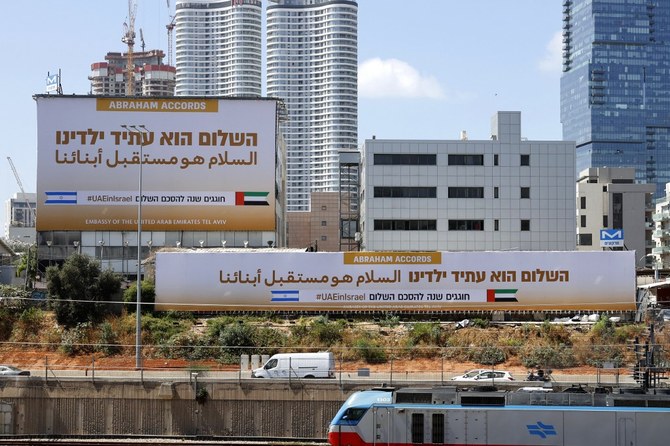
(391, 417)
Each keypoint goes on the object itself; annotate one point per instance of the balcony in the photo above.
(663, 216)
(660, 234)
(660, 250)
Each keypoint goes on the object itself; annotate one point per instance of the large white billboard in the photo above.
(205, 164)
(395, 281)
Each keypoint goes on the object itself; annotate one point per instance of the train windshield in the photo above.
(354, 414)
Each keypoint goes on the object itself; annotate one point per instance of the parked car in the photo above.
(8, 370)
(484, 375)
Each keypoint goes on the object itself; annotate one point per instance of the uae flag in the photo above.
(501, 295)
(251, 198)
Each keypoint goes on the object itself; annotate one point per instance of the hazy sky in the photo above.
(427, 68)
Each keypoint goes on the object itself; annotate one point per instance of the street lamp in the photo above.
(655, 265)
(141, 131)
(49, 243)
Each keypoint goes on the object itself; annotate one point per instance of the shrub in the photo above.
(187, 345)
(370, 351)
(235, 340)
(108, 344)
(558, 356)
(148, 296)
(487, 355)
(158, 330)
(480, 323)
(426, 333)
(325, 332)
(74, 341)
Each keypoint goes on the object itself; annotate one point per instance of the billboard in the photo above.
(395, 281)
(205, 164)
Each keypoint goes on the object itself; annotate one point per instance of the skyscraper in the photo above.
(615, 90)
(312, 65)
(218, 47)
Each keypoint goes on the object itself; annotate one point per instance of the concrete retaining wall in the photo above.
(237, 409)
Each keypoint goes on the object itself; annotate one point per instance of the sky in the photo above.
(428, 69)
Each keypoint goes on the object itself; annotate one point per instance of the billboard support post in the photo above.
(138, 308)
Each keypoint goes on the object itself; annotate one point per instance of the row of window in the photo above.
(431, 192)
(418, 159)
(431, 225)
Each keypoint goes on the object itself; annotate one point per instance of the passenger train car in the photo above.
(392, 418)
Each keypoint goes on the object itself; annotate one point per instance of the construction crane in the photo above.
(129, 39)
(18, 181)
(142, 39)
(170, 27)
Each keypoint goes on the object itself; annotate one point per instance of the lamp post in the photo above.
(138, 310)
(655, 265)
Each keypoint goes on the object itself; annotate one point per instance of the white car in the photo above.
(8, 370)
(484, 375)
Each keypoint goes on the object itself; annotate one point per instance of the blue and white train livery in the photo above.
(381, 418)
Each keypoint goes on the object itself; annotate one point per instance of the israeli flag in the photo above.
(285, 296)
(61, 198)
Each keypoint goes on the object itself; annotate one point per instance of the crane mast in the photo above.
(170, 28)
(18, 181)
(129, 39)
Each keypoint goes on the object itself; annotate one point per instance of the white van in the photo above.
(297, 365)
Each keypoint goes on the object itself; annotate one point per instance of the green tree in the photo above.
(148, 291)
(28, 263)
(79, 291)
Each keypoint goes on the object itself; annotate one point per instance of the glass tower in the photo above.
(218, 47)
(312, 65)
(615, 89)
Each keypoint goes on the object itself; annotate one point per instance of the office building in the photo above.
(661, 234)
(20, 217)
(614, 89)
(312, 61)
(506, 193)
(218, 47)
(609, 198)
(150, 77)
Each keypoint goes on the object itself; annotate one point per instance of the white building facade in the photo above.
(661, 234)
(312, 65)
(609, 198)
(506, 193)
(218, 47)
(20, 217)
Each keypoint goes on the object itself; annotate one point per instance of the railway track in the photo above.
(163, 441)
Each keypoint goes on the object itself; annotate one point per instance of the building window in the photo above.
(400, 159)
(405, 192)
(495, 159)
(584, 239)
(324, 223)
(604, 221)
(525, 192)
(466, 192)
(582, 221)
(582, 202)
(466, 225)
(525, 160)
(617, 210)
(496, 225)
(324, 238)
(405, 225)
(525, 225)
(495, 192)
(466, 160)
(323, 208)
